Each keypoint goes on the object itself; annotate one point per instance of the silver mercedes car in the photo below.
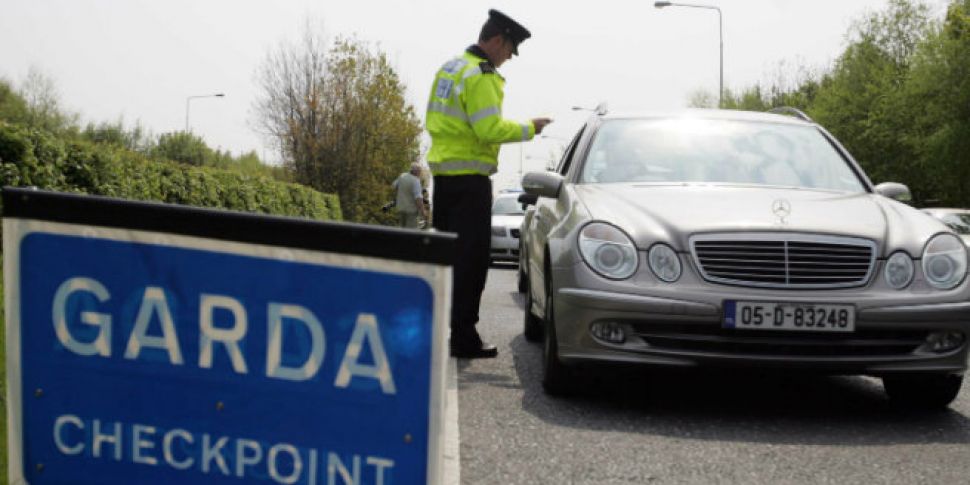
(729, 238)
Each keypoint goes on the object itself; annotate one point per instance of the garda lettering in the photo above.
(212, 338)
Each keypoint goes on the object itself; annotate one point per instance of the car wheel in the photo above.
(555, 376)
(532, 325)
(923, 392)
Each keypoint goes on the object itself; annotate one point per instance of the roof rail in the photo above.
(788, 110)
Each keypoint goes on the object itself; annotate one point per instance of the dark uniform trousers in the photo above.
(463, 204)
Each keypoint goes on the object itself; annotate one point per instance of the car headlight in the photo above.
(608, 250)
(498, 231)
(664, 262)
(945, 261)
(899, 270)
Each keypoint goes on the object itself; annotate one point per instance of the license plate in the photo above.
(816, 317)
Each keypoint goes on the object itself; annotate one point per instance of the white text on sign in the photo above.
(182, 449)
(154, 305)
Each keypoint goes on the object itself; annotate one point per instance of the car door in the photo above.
(548, 214)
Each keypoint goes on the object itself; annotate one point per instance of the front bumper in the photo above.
(504, 248)
(683, 332)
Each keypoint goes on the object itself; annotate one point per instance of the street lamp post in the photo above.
(720, 33)
(190, 98)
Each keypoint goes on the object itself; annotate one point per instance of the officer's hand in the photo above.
(540, 123)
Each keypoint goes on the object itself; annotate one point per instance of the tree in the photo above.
(136, 139)
(183, 147)
(858, 100)
(13, 107)
(934, 103)
(898, 98)
(44, 109)
(795, 88)
(340, 120)
(701, 98)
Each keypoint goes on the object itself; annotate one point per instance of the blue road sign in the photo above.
(159, 358)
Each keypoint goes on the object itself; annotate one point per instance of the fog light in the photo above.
(944, 341)
(609, 331)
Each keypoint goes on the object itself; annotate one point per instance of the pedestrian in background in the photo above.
(407, 197)
(464, 119)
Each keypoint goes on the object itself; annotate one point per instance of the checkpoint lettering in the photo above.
(181, 449)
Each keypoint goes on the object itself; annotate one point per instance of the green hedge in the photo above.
(32, 157)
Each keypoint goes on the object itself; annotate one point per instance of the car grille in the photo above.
(795, 261)
(714, 339)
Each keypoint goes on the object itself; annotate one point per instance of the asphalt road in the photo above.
(659, 427)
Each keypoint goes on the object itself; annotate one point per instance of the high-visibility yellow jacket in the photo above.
(465, 120)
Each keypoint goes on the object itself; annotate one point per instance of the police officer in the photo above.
(466, 125)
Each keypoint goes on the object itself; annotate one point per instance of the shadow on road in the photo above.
(746, 406)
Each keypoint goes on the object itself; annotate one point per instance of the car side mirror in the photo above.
(895, 191)
(527, 199)
(542, 184)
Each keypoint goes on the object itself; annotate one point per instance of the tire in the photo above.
(925, 392)
(556, 378)
(523, 279)
(531, 325)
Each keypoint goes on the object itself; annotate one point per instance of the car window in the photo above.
(960, 223)
(716, 151)
(568, 155)
(507, 206)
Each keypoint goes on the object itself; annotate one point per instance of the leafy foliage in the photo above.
(934, 104)
(43, 147)
(341, 120)
(44, 109)
(898, 98)
(36, 105)
(184, 147)
(135, 139)
(34, 157)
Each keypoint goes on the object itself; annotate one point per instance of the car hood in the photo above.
(507, 220)
(672, 213)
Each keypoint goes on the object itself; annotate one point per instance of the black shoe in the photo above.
(485, 351)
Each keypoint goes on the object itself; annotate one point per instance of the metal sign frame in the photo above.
(424, 255)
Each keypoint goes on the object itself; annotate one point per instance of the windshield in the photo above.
(716, 151)
(960, 223)
(507, 206)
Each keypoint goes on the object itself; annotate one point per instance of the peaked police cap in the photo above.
(510, 29)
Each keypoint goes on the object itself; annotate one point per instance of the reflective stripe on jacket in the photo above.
(465, 121)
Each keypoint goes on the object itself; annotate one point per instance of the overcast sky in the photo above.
(140, 59)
